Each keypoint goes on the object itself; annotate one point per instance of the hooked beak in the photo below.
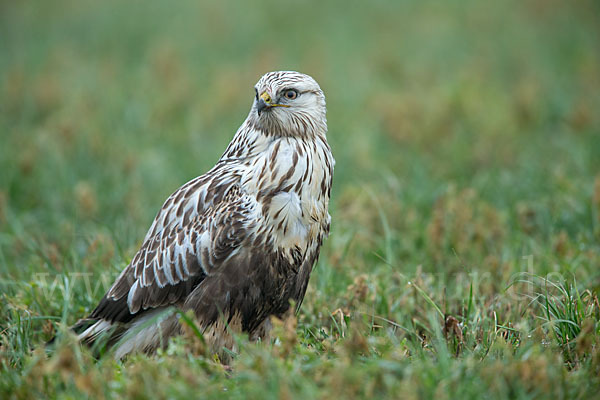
(265, 102)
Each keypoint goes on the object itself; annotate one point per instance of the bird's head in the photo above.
(288, 103)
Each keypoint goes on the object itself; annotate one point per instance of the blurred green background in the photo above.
(107, 108)
(466, 134)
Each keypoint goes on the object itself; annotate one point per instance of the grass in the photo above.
(464, 255)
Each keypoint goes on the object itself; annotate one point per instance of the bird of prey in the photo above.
(237, 244)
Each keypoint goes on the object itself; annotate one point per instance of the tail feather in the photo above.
(78, 328)
(90, 332)
(83, 324)
(145, 333)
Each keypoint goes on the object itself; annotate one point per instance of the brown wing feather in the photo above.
(170, 262)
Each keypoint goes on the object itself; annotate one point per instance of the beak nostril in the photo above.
(266, 98)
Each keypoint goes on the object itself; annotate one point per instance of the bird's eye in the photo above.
(291, 94)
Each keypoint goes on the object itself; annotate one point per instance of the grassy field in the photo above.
(464, 257)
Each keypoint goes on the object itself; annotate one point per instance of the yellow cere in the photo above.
(265, 96)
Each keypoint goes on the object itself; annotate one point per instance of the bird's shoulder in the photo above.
(194, 199)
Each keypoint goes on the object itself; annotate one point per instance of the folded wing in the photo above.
(185, 244)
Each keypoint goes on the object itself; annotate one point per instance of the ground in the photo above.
(464, 255)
